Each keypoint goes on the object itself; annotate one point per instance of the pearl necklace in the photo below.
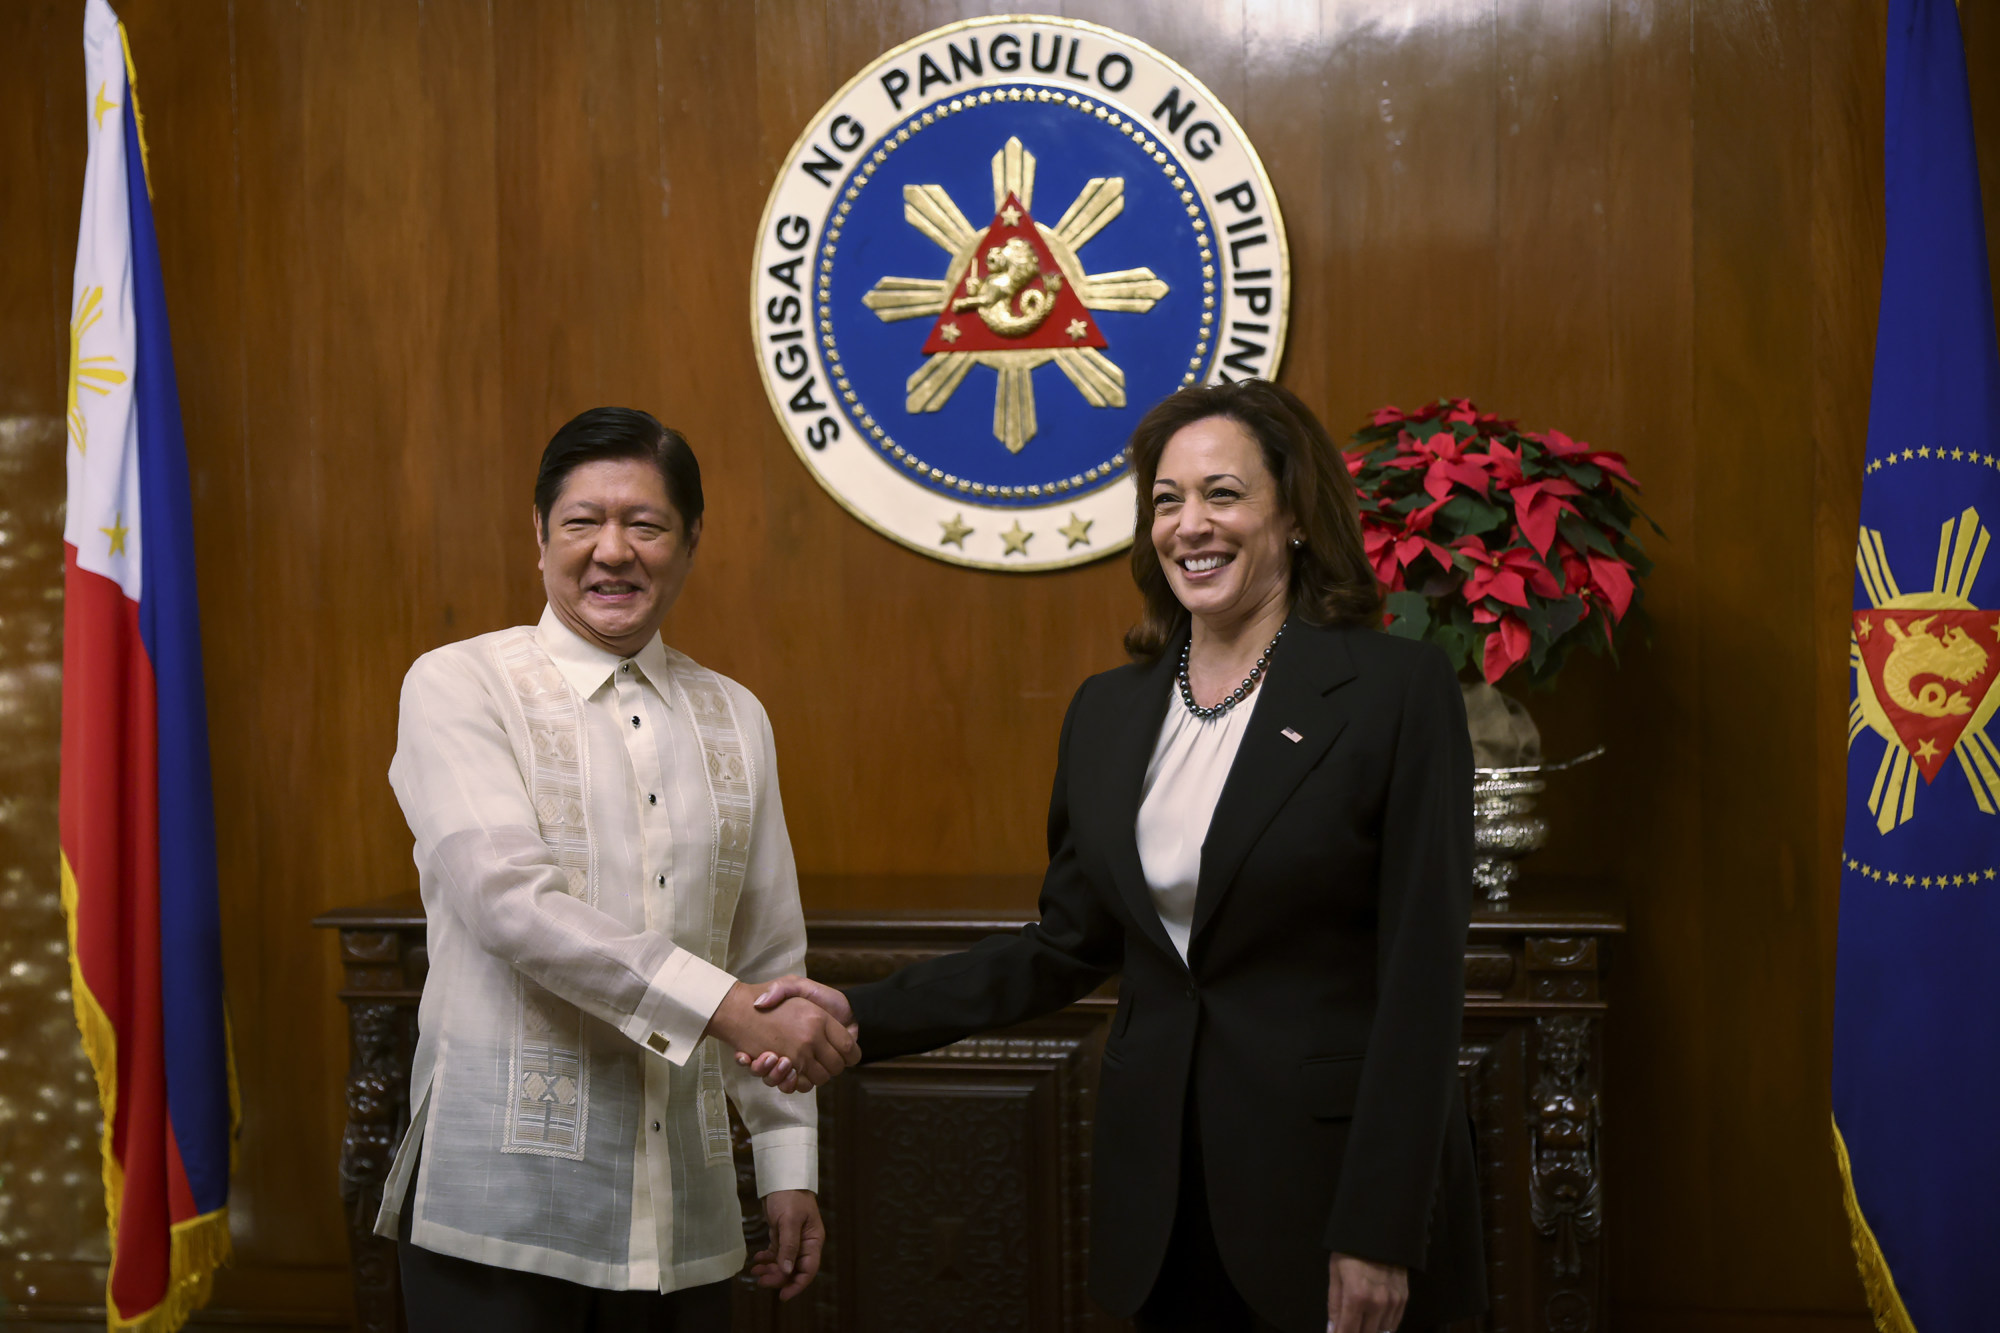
(1237, 695)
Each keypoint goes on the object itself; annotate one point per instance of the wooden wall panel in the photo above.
(49, 1193)
(403, 242)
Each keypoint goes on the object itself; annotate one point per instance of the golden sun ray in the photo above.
(95, 373)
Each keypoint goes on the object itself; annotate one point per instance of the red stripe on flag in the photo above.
(109, 828)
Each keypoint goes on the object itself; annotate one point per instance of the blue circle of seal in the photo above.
(1077, 447)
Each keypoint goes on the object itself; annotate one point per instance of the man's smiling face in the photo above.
(615, 553)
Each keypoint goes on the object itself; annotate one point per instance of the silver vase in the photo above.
(1505, 827)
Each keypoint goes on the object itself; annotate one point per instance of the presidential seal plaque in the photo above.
(982, 262)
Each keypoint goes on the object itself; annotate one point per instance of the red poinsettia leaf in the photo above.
(1385, 415)
(1614, 580)
(1419, 520)
(1615, 465)
(1508, 586)
(1533, 571)
(1465, 471)
(1505, 647)
(1505, 465)
(1536, 511)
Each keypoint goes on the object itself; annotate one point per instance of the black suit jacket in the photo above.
(1317, 1019)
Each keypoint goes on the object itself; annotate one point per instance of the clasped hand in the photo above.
(803, 1032)
(786, 1070)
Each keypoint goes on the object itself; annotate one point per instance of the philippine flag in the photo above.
(137, 821)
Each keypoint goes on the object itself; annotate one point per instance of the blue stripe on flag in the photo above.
(170, 626)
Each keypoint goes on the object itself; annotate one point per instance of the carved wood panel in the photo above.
(956, 1184)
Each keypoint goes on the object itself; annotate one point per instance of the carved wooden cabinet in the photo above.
(956, 1184)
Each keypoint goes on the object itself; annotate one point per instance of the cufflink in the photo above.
(658, 1043)
(1291, 735)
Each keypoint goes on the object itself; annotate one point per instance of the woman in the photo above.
(1263, 826)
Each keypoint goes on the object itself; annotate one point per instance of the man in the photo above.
(602, 852)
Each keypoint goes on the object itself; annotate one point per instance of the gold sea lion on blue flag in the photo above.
(1916, 1043)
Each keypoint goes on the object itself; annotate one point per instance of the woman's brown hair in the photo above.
(1332, 582)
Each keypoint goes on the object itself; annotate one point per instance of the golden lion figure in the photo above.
(1918, 652)
(1009, 270)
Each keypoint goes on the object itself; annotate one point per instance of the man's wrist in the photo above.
(727, 1021)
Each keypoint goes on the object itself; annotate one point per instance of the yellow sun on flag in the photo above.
(95, 373)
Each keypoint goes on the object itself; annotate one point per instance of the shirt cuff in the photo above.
(683, 997)
(787, 1159)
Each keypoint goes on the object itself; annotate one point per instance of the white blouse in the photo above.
(1190, 763)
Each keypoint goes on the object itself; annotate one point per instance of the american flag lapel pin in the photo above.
(1291, 735)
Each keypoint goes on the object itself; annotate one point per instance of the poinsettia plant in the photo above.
(1506, 548)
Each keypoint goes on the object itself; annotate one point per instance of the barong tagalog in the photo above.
(985, 258)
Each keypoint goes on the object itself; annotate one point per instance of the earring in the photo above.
(1298, 544)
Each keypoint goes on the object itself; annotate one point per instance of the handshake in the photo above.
(793, 1033)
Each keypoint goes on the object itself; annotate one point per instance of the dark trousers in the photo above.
(442, 1293)
(1193, 1293)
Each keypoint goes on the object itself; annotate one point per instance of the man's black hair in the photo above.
(620, 432)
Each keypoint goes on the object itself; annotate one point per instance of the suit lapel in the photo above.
(1131, 749)
(1301, 696)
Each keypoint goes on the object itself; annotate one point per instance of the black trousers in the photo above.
(442, 1293)
(1194, 1293)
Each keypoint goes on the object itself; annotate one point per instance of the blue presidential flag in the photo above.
(1916, 1061)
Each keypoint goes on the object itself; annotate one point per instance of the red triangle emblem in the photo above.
(1012, 297)
(1930, 670)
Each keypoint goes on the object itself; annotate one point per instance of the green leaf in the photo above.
(1472, 515)
(1410, 614)
(1454, 643)
(1584, 536)
(1587, 475)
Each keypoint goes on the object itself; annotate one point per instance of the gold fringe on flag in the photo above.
(100, 1043)
(1876, 1279)
(199, 1245)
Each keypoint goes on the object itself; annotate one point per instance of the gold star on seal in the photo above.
(116, 532)
(1017, 540)
(955, 531)
(949, 331)
(1926, 749)
(1011, 216)
(1077, 530)
(1864, 627)
(1077, 328)
(104, 104)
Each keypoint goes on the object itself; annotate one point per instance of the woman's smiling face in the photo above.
(1219, 522)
